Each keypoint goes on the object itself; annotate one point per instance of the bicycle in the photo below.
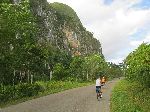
(99, 94)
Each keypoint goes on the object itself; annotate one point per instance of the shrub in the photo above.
(42, 86)
(7, 94)
(27, 90)
(138, 65)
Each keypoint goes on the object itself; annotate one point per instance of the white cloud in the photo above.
(111, 24)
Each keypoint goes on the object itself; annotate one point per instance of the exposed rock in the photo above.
(60, 26)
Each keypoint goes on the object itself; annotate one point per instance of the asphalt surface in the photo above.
(81, 99)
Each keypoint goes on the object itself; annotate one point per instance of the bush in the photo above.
(42, 86)
(27, 90)
(138, 66)
(20, 91)
(58, 72)
(7, 94)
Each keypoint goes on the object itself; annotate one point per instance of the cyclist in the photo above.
(98, 87)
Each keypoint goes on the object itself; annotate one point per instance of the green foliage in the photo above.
(76, 68)
(133, 93)
(94, 65)
(6, 94)
(81, 68)
(138, 65)
(114, 71)
(56, 86)
(5, 1)
(58, 72)
(16, 38)
(130, 97)
(27, 90)
(19, 91)
(65, 14)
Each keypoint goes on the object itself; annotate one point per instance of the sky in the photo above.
(120, 25)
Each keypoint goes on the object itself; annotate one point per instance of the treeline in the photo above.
(114, 70)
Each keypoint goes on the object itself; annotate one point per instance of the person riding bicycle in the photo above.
(98, 87)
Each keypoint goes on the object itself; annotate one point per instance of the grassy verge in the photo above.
(130, 97)
(47, 88)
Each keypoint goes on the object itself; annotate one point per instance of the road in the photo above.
(81, 99)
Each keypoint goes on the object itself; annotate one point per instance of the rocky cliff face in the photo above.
(60, 26)
(80, 41)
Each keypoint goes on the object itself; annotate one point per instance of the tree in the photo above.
(17, 36)
(93, 66)
(137, 65)
(114, 70)
(76, 68)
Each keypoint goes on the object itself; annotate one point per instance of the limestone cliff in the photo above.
(60, 26)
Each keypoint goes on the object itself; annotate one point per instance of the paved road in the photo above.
(81, 99)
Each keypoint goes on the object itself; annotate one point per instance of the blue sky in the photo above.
(144, 4)
(120, 25)
(139, 34)
(108, 2)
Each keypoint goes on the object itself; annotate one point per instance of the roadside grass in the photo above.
(130, 97)
(47, 88)
(58, 86)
